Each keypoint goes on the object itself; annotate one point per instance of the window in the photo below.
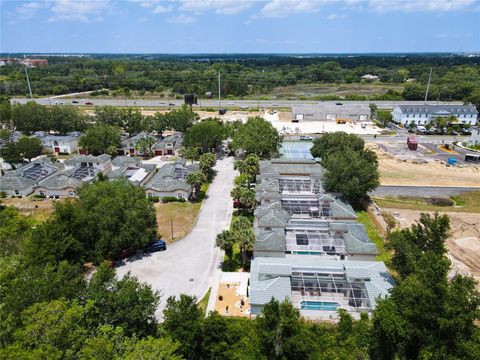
(149, 194)
(179, 196)
(302, 239)
(17, 192)
(71, 193)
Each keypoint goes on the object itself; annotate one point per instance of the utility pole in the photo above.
(171, 227)
(428, 86)
(28, 82)
(219, 92)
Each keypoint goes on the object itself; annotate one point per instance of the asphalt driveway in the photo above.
(189, 266)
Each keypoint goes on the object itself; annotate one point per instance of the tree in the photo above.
(13, 231)
(207, 162)
(183, 322)
(390, 221)
(335, 142)
(195, 180)
(248, 167)
(126, 303)
(145, 145)
(277, 326)
(99, 138)
(182, 119)
(152, 348)
(29, 147)
(427, 315)
(108, 115)
(244, 236)
(225, 241)
(110, 216)
(30, 117)
(206, 135)
(131, 121)
(190, 153)
(10, 154)
(64, 119)
(108, 342)
(427, 235)
(351, 173)
(384, 117)
(257, 136)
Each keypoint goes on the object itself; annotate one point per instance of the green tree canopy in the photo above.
(29, 147)
(257, 136)
(99, 138)
(206, 135)
(335, 142)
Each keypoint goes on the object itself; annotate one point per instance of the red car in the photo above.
(88, 103)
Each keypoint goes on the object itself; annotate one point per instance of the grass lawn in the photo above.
(465, 202)
(203, 303)
(179, 216)
(39, 211)
(383, 254)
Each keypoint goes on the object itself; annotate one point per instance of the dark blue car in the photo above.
(158, 245)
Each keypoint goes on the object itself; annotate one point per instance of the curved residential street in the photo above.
(189, 266)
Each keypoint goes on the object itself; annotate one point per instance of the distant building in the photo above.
(169, 145)
(327, 112)
(129, 145)
(35, 62)
(318, 287)
(79, 170)
(170, 180)
(21, 181)
(475, 136)
(60, 144)
(132, 169)
(425, 114)
(369, 77)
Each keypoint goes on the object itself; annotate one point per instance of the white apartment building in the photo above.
(425, 114)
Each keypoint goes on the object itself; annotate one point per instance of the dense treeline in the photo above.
(453, 78)
(50, 311)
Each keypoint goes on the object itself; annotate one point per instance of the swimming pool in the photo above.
(319, 305)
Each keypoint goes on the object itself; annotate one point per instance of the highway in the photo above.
(214, 102)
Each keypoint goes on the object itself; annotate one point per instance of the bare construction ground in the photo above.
(463, 244)
(416, 171)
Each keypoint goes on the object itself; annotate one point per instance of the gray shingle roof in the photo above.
(14, 182)
(168, 185)
(438, 109)
(122, 160)
(273, 240)
(60, 181)
(175, 139)
(269, 277)
(87, 158)
(274, 218)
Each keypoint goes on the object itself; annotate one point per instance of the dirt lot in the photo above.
(396, 171)
(366, 89)
(180, 216)
(39, 210)
(463, 244)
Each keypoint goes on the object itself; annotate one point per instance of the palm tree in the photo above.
(145, 145)
(244, 236)
(225, 241)
(195, 180)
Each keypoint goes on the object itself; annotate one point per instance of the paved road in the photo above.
(189, 266)
(225, 103)
(422, 191)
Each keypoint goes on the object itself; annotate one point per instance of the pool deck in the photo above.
(325, 314)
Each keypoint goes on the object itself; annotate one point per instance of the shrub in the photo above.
(167, 199)
(39, 196)
(154, 199)
(3, 194)
(220, 297)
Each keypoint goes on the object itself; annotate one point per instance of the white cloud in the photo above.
(383, 6)
(284, 8)
(336, 16)
(72, 10)
(156, 6)
(225, 7)
(182, 19)
(28, 9)
(142, 19)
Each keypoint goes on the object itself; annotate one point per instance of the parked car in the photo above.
(339, 103)
(171, 104)
(274, 104)
(158, 245)
(74, 102)
(88, 103)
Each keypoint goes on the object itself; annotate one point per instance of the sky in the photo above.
(239, 26)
